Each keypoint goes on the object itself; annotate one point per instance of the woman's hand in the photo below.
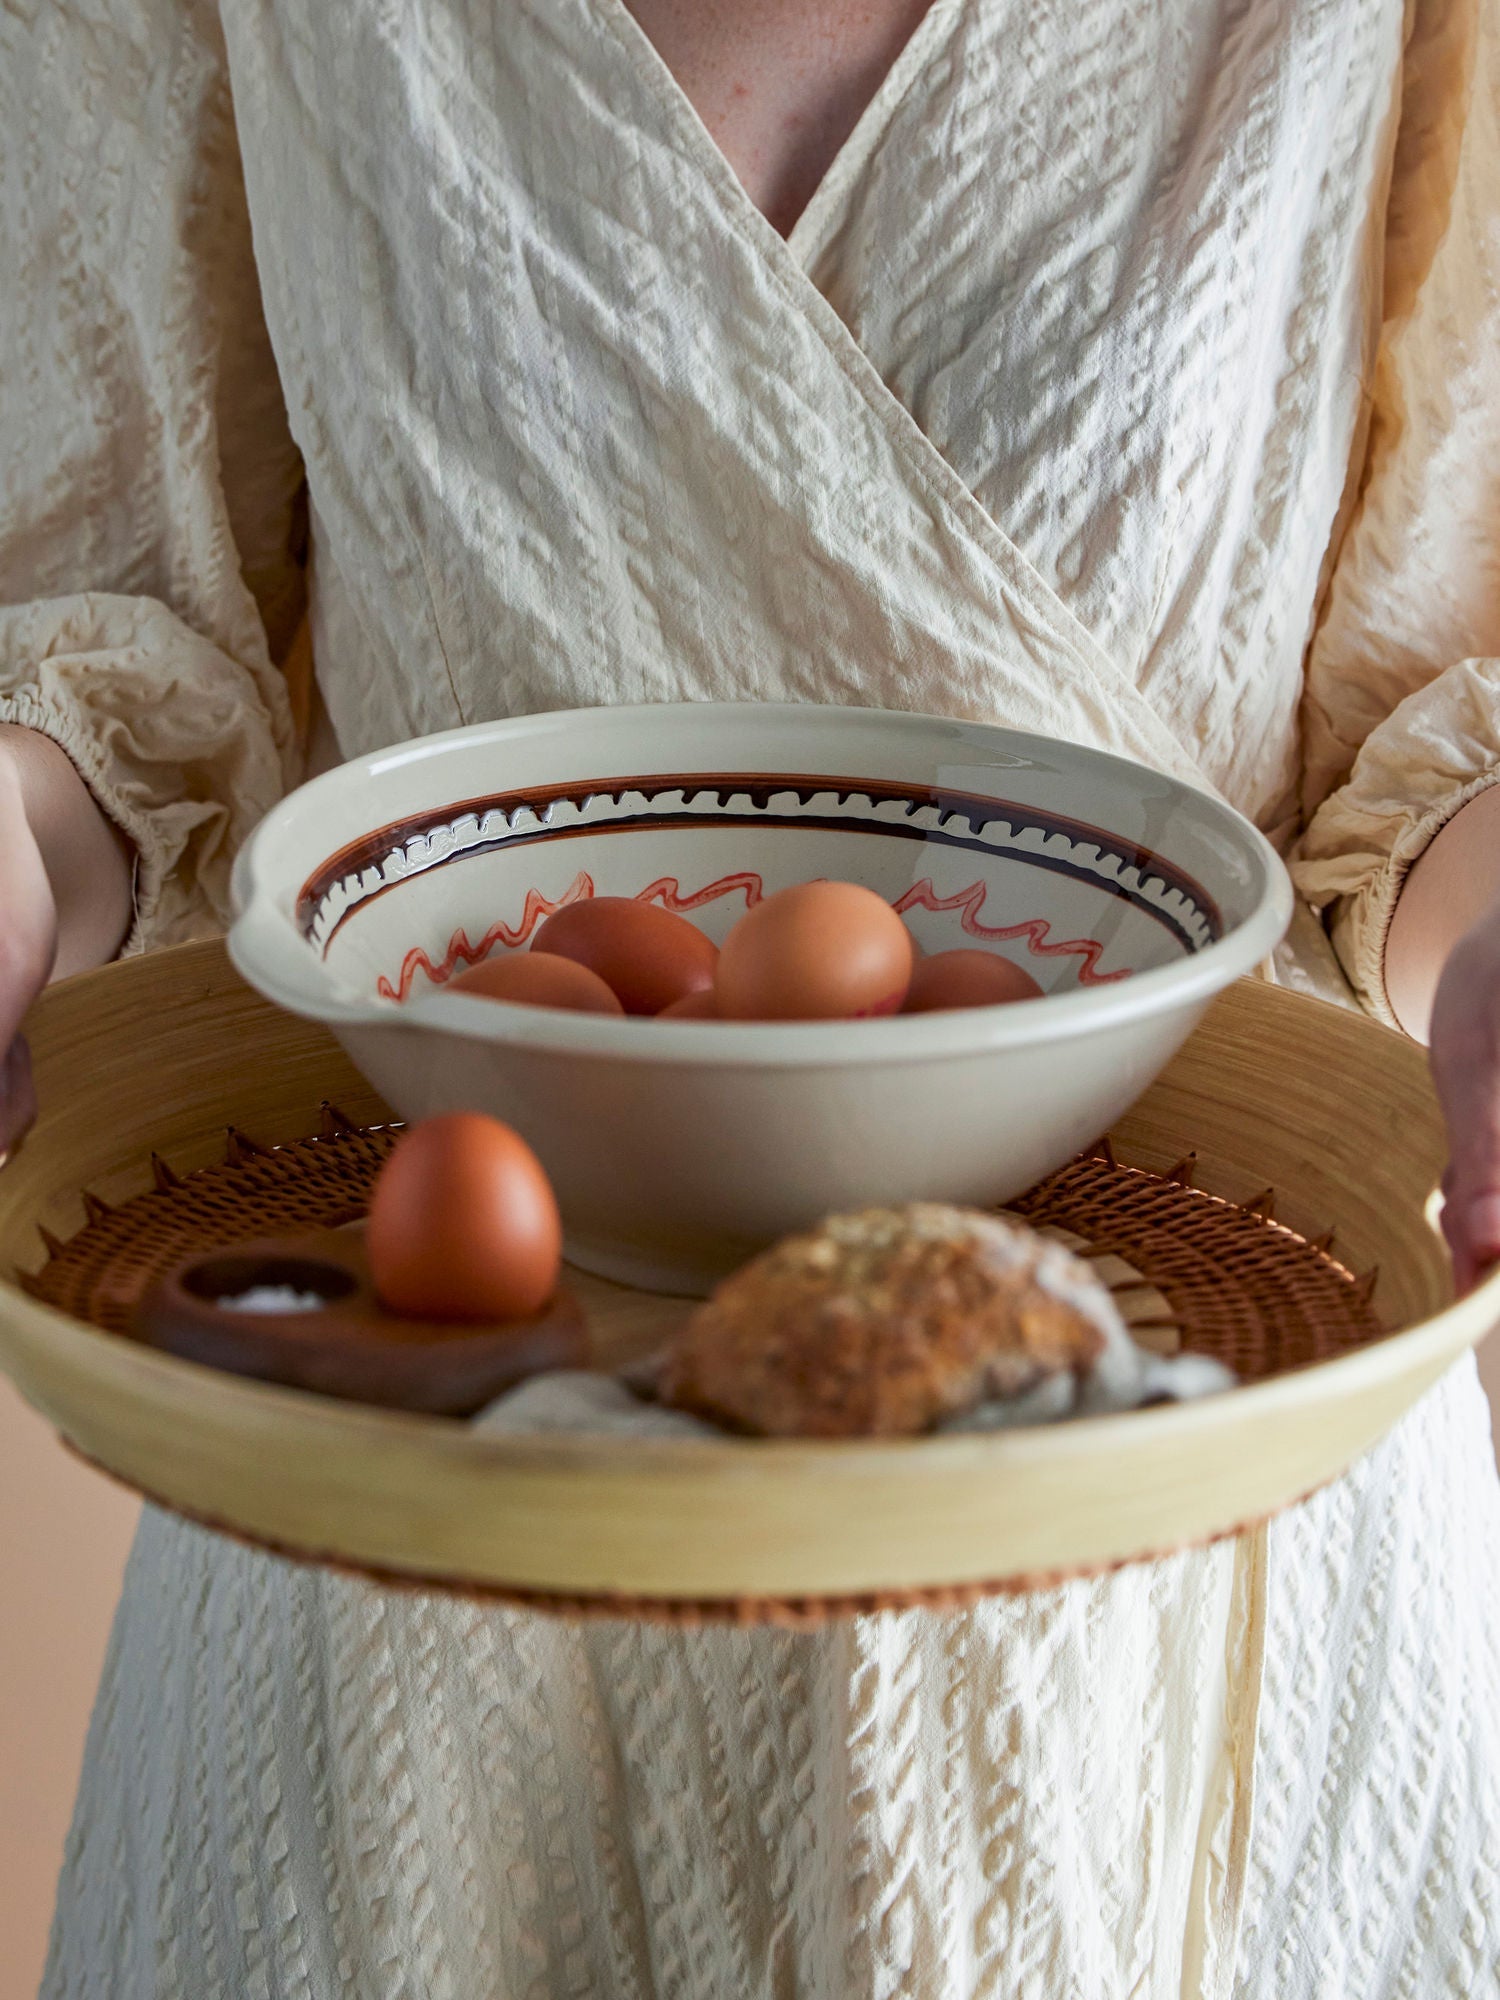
(65, 879)
(1442, 977)
(28, 947)
(1465, 1050)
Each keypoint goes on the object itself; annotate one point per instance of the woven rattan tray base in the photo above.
(165, 1053)
(1191, 1270)
(1217, 1277)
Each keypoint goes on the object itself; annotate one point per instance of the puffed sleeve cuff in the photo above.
(181, 745)
(1436, 751)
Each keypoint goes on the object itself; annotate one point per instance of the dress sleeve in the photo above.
(149, 490)
(1401, 719)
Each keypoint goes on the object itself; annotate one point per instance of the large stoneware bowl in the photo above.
(677, 1148)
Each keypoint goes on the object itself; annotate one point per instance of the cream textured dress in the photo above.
(1135, 373)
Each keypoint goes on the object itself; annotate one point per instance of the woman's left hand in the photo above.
(1465, 1050)
(1442, 980)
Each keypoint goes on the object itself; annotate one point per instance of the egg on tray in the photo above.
(444, 1299)
(463, 1223)
(818, 951)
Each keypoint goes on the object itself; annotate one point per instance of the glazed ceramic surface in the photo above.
(677, 1148)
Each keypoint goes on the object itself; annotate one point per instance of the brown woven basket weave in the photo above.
(1193, 1271)
(1235, 1284)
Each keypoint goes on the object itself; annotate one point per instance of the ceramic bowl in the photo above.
(678, 1148)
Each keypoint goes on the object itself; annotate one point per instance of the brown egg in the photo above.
(463, 1223)
(967, 979)
(692, 1007)
(646, 955)
(538, 982)
(821, 951)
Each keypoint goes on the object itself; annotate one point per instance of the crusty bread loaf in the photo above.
(886, 1323)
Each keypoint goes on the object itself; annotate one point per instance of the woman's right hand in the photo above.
(65, 896)
(28, 947)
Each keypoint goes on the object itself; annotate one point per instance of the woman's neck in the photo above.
(780, 84)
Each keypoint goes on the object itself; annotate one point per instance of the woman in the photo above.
(1127, 372)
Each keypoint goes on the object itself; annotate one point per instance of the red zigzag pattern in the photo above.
(463, 951)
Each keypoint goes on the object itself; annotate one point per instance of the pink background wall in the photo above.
(64, 1531)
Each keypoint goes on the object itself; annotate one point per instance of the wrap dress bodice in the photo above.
(635, 446)
(1131, 376)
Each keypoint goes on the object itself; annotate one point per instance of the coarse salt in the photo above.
(272, 1299)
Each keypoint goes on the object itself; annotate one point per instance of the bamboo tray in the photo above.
(159, 1056)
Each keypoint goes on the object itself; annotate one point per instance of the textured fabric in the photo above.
(299, 1785)
(1133, 374)
(457, 1802)
(1418, 581)
(147, 479)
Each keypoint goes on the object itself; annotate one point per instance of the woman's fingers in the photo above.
(1466, 1072)
(1471, 1225)
(28, 914)
(1471, 1186)
(17, 1096)
(28, 947)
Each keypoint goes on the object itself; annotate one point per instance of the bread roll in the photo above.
(887, 1323)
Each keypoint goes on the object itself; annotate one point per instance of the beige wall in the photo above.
(64, 1531)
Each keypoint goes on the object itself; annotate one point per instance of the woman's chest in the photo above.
(779, 84)
(557, 381)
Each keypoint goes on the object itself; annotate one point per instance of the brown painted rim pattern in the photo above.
(361, 871)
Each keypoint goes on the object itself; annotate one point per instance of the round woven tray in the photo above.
(160, 1056)
(1191, 1270)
